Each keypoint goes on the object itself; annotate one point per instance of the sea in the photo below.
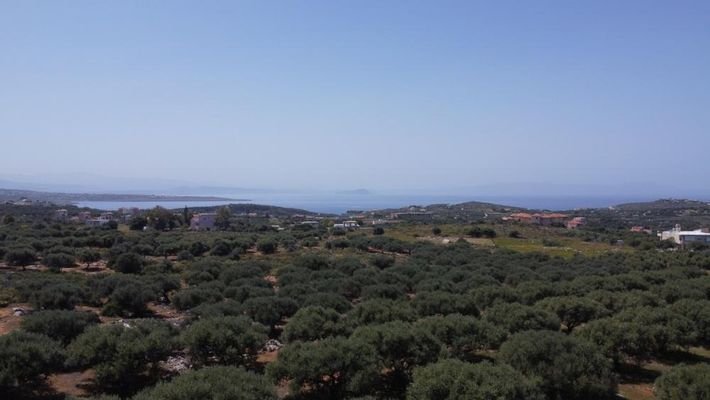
(340, 203)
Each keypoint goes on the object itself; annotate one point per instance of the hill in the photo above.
(261, 210)
(68, 198)
(657, 215)
(664, 204)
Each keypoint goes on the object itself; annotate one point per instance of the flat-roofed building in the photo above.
(203, 221)
(685, 238)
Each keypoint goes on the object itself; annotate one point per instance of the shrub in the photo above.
(267, 246)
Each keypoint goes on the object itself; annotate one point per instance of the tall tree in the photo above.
(223, 219)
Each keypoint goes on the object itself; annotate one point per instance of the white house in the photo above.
(346, 225)
(685, 238)
(97, 221)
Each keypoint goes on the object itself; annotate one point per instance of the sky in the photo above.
(383, 95)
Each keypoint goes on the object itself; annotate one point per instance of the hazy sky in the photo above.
(350, 94)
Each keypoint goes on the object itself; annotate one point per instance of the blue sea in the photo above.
(340, 203)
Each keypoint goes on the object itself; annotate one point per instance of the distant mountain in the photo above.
(470, 210)
(630, 190)
(68, 198)
(354, 191)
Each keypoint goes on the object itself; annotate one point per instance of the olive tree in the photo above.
(60, 325)
(457, 380)
(312, 323)
(123, 352)
(568, 367)
(226, 340)
(332, 367)
(684, 382)
(25, 355)
(219, 382)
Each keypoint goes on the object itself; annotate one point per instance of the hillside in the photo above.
(260, 209)
(664, 204)
(656, 215)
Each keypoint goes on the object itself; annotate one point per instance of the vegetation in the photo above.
(25, 356)
(462, 307)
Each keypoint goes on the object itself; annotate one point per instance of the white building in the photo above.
(94, 222)
(685, 238)
(346, 225)
(203, 221)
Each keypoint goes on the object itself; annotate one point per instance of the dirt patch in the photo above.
(267, 357)
(72, 383)
(283, 389)
(481, 242)
(92, 269)
(34, 267)
(97, 310)
(167, 313)
(9, 322)
(643, 391)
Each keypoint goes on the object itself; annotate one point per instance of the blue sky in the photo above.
(386, 95)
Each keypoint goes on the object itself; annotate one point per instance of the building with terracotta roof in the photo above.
(520, 217)
(544, 219)
(576, 222)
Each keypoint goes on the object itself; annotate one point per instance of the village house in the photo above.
(686, 238)
(61, 214)
(346, 225)
(203, 221)
(524, 218)
(544, 219)
(576, 222)
(640, 229)
(549, 219)
(84, 216)
(95, 222)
